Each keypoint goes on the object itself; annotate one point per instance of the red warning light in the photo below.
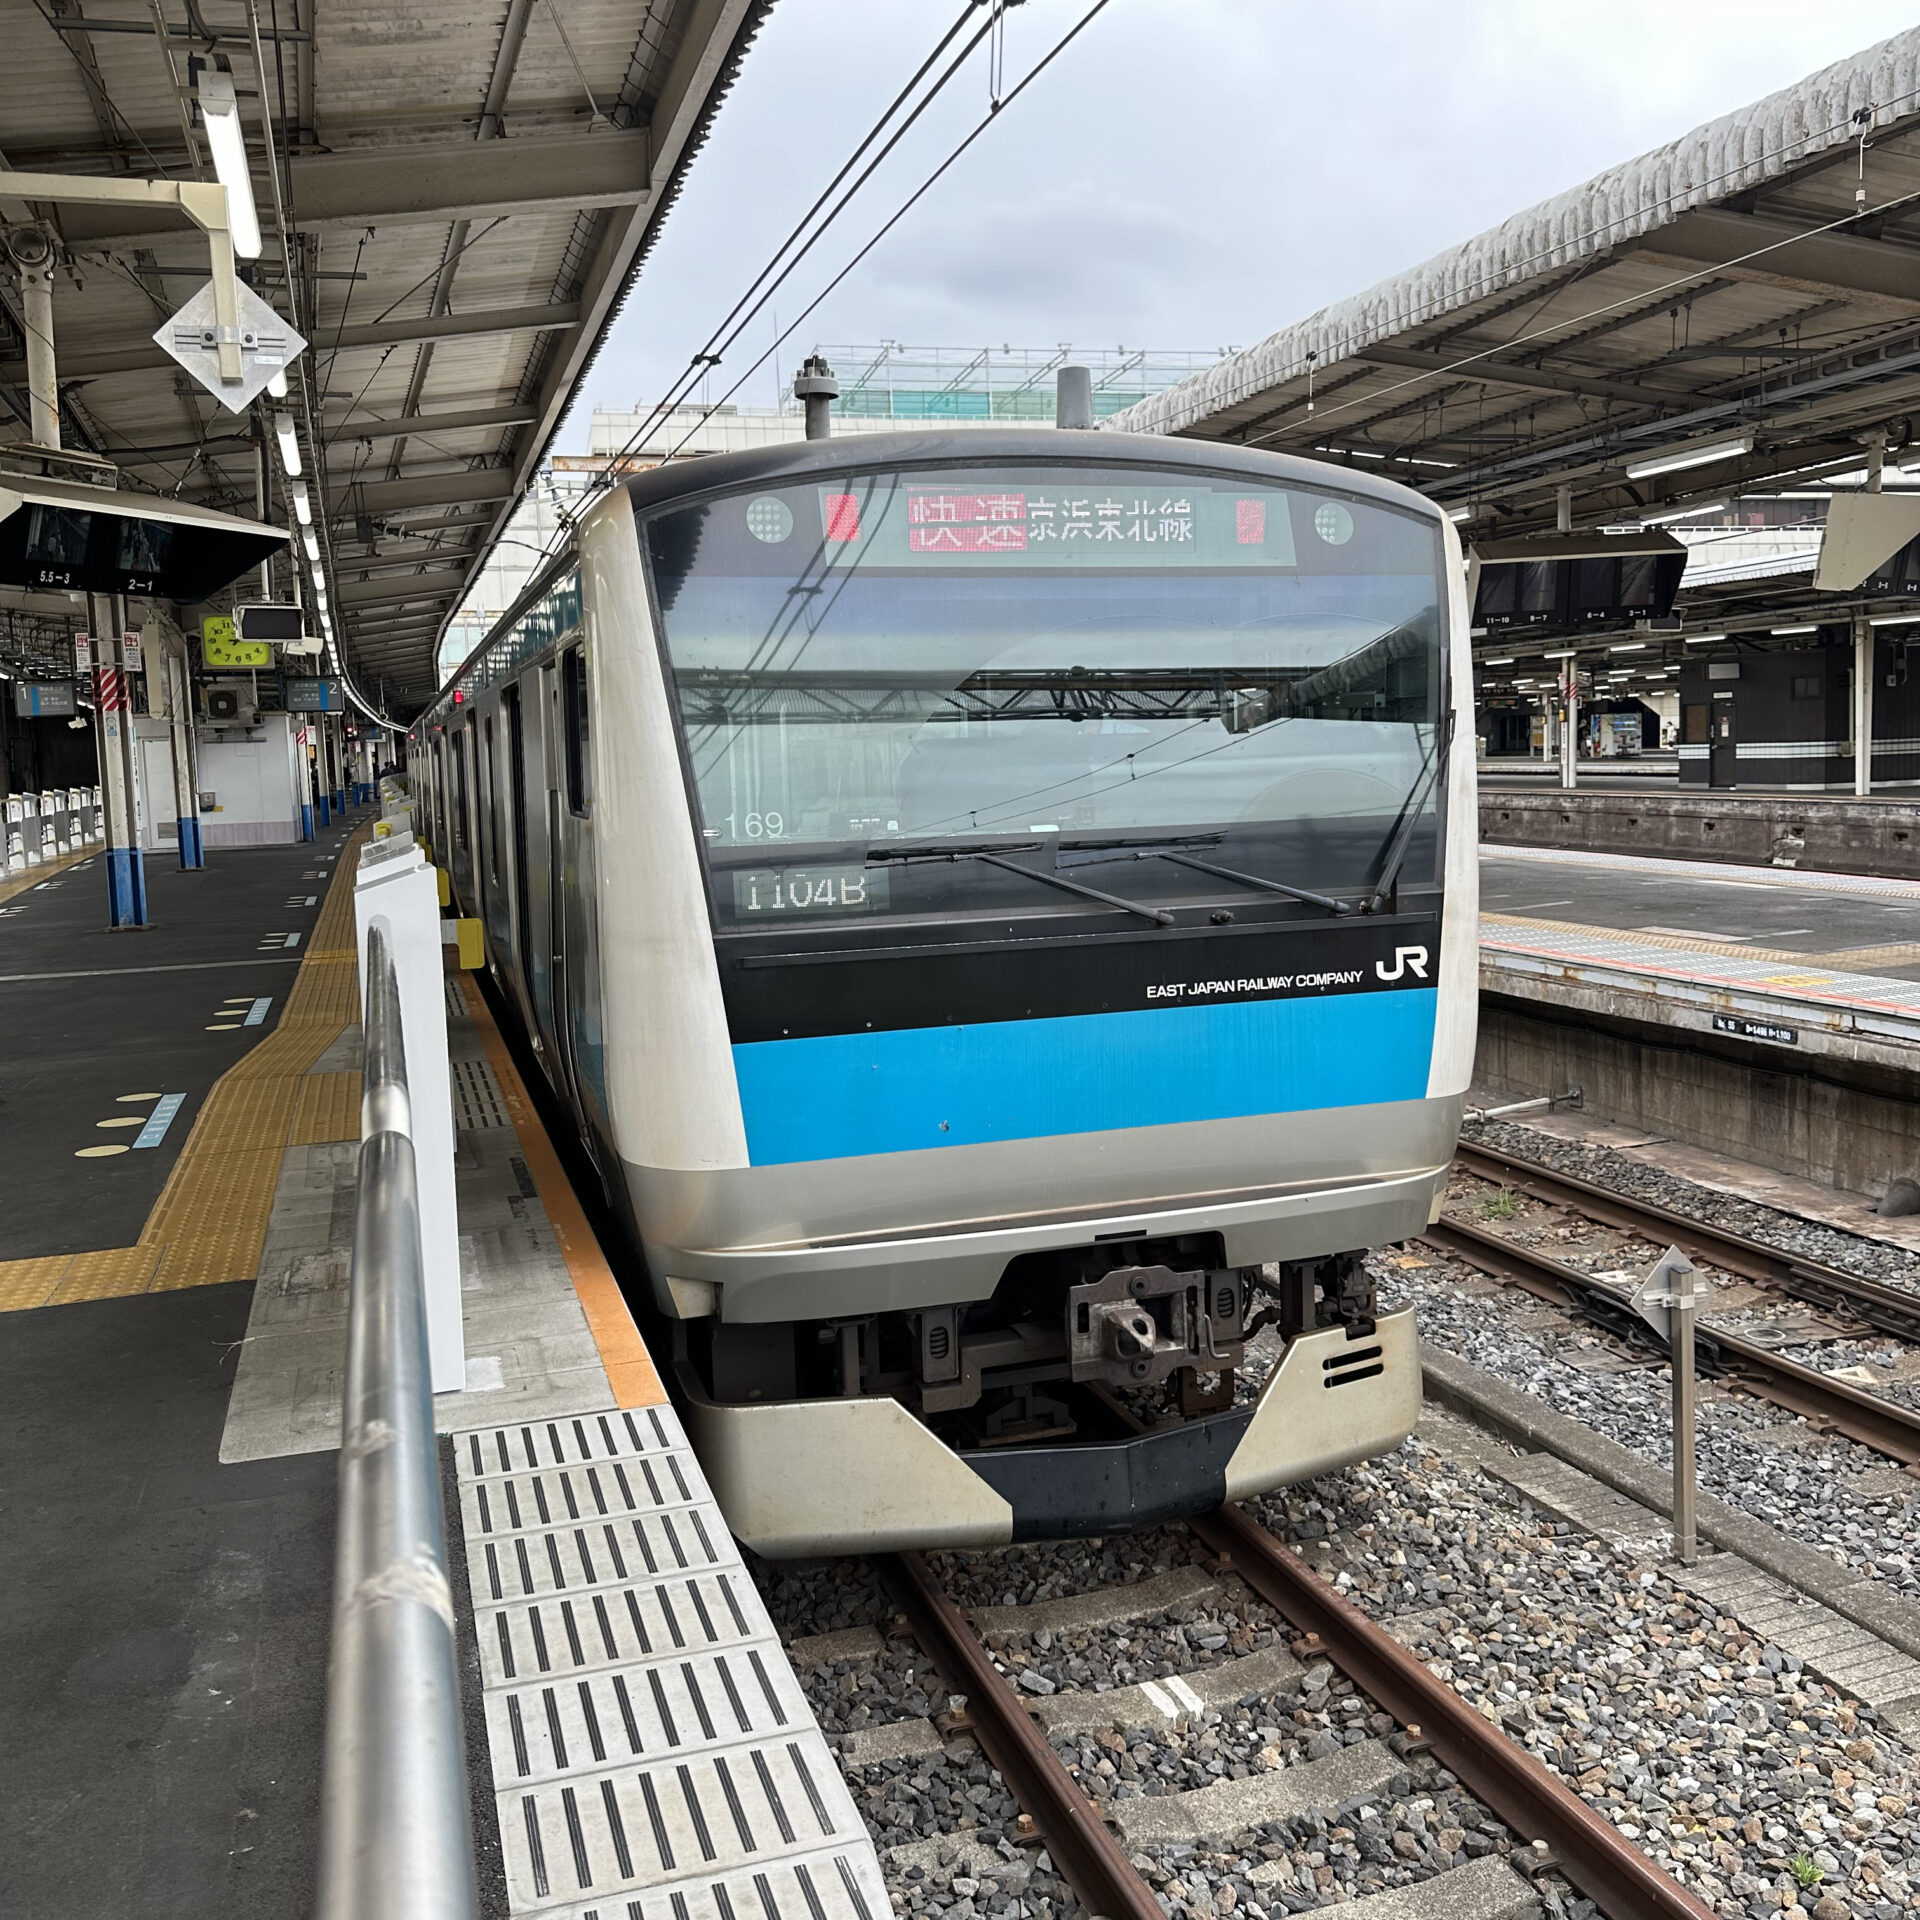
(843, 516)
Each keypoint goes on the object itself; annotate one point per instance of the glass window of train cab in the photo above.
(573, 697)
(898, 688)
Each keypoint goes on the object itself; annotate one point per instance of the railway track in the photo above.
(1554, 1827)
(1884, 1425)
(1890, 1310)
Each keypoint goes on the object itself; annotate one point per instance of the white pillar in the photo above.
(43, 388)
(396, 889)
(1862, 706)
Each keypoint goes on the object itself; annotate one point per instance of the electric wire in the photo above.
(605, 476)
(773, 274)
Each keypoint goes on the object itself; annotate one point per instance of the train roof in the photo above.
(977, 446)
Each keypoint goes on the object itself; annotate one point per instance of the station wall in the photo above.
(253, 778)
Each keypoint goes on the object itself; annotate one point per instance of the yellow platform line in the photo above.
(630, 1369)
(210, 1221)
(24, 882)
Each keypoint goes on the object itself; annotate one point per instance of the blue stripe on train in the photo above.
(842, 1094)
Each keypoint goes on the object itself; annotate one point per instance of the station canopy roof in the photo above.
(1733, 316)
(465, 195)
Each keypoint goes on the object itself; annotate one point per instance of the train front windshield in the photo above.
(1059, 667)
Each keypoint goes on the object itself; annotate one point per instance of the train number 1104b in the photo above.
(762, 890)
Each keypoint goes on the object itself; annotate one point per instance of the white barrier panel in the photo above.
(396, 889)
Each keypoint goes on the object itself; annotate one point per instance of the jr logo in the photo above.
(1405, 960)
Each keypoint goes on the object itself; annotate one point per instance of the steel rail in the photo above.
(1536, 1804)
(1890, 1310)
(395, 1841)
(1883, 1425)
(1082, 1845)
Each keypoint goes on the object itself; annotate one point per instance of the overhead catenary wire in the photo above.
(604, 477)
(773, 274)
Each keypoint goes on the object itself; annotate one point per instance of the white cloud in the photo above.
(1191, 173)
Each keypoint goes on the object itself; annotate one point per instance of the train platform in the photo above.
(1817, 962)
(180, 1117)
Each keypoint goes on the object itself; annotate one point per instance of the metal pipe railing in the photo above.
(395, 1841)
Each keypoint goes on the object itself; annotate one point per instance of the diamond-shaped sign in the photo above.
(267, 344)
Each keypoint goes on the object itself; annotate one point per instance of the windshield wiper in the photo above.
(993, 856)
(1171, 849)
(1396, 849)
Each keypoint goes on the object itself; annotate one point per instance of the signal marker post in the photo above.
(1666, 1300)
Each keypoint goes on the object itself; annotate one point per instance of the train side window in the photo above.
(489, 827)
(573, 683)
(460, 749)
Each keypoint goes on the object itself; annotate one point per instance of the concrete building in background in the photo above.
(884, 388)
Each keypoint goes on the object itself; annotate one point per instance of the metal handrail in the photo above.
(395, 1840)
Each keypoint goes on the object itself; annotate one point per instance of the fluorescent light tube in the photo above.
(1661, 518)
(220, 111)
(1629, 646)
(1776, 631)
(1680, 458)
(289, 444)
(302, 504)
(1893, 619)
(1703, 639)
(1503, 660)
(312, 544)
(277, 384)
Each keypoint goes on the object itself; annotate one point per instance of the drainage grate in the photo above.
(476, 1097)
(654, 1756)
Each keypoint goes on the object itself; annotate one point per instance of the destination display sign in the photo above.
(1090, 520)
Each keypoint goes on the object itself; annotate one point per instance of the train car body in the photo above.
(1000, 910)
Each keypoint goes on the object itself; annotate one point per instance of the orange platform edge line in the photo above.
(630, 1370)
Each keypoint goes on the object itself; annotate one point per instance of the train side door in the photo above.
(558, 880)
(578, 933)
(537, 915)
(519, 879)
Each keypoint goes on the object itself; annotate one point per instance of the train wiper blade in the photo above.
(1396, 848)
(993, 856)
(1172, 850)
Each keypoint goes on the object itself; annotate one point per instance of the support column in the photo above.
(1569, 727)
(113, 735)
(303, 775)
(186, 758)
(36, 310)
(1862, 706)
(335, 759)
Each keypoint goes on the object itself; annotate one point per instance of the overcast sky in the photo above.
(1189, 174)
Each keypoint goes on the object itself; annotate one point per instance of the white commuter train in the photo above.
(999, 908)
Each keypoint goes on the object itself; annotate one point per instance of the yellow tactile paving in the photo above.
(1677, 943)
(328, 1109)
(104, 1276)
(28, 1283)
(210, 1221)
(21, 882)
